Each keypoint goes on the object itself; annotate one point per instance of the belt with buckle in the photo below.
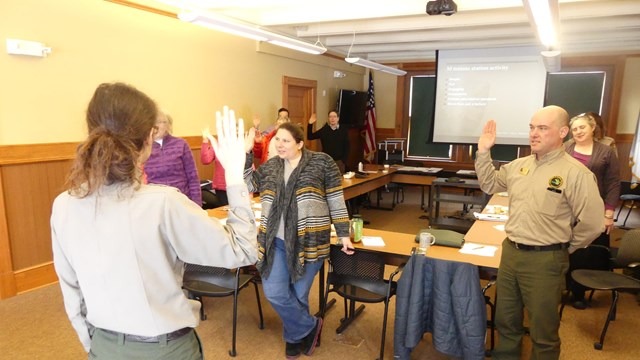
(175, 335)
(553, 247)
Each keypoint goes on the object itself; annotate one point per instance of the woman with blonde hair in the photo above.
(119, 246)
(602, 160)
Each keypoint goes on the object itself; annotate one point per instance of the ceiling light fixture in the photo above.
(375, 66)
(552, 60)
(544, 15)
(251, 31)
(370, 64)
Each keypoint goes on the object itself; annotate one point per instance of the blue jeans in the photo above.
(290, 300)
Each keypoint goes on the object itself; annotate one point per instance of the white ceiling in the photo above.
(393, 31)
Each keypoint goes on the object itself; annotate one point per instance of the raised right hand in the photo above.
(488, 137)
(229, 147)
(312, 119)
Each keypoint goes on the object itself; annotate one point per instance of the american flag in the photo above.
(370, 123)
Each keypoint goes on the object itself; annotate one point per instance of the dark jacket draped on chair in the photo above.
(445, 299)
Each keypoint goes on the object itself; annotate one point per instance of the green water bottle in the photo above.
(356, 228)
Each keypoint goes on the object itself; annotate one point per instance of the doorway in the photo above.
(299, 96)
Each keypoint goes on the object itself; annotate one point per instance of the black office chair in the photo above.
(593, 257)
(627, 257)
(359, 278)
(201, 281)
(628, 193)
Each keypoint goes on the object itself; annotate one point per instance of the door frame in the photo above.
(309, 101)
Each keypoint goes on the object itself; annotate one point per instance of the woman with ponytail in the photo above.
(119, 245)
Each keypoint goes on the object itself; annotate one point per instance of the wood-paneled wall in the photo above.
(31, 176)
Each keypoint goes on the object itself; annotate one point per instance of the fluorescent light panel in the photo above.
(375, 66)
(545, 17)
(250, 31)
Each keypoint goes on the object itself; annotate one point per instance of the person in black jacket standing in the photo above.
(333, 137)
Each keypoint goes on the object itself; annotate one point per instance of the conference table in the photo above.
(398, 247)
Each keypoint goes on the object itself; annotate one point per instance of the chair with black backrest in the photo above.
(207, 281)
(629, 194)
(627, 256)
(592, 257)
(359, 278)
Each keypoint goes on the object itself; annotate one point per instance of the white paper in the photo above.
(419, 169)
(496, 209)
(223, 221)
(466, 172)
(478, 249)
(499, 227)
(257, 213)
(256, 205)
(372, 241)
(490, 217)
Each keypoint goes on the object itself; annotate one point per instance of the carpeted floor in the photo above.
(34, 326)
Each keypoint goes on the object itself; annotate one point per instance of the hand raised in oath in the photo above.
(230, 145)
(488, 137)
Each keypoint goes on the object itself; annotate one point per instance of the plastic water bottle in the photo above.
(360, 167)
(356, 227)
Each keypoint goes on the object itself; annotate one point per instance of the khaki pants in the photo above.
(115, 347)
(533, 280)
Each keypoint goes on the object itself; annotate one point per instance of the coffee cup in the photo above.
(426, 240)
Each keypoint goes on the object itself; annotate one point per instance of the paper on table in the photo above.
(490, 217)
(258, 213)
(499, 227)
(496, 209)
(478, 249)
(372, 241)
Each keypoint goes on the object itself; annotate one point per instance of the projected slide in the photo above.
(473, 86)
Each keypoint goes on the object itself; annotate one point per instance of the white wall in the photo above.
(630, 97)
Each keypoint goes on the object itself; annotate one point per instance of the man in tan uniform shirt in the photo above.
(554, 209)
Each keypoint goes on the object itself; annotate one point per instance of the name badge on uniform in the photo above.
(524, 171)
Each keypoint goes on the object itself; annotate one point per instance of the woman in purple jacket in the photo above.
(171, 162)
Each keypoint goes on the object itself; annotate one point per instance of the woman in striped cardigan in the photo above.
(301, 195)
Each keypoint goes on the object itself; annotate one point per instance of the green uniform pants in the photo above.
(533, 280)
(114, 347)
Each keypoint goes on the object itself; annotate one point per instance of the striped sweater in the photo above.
(310, 202)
